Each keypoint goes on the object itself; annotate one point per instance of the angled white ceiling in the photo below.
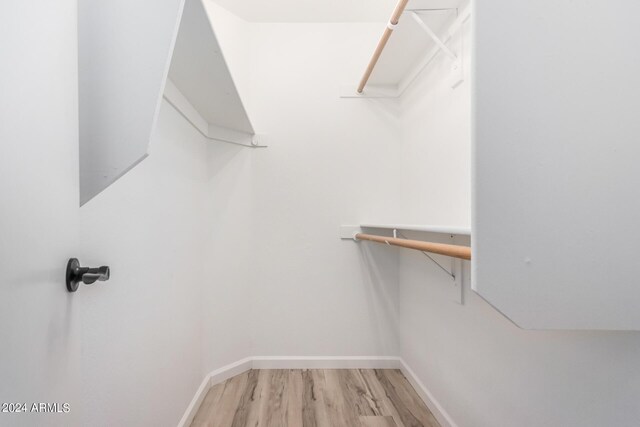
(323, 10)
(310, 10)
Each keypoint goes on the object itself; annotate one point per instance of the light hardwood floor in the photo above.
(314, 398)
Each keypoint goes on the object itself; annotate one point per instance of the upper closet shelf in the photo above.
(417, 31)
(348, 231)
(200, 85)
(444, 229)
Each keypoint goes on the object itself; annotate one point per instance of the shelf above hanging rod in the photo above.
(398, 60)
(443, 229)
(393, 21)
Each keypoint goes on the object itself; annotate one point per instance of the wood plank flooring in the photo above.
(314, 398)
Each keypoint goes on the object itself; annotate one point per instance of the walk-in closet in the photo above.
(319, 213)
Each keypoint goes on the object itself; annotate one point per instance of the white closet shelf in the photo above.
(417, 31)
(444, 229)
(348, 231)
(200, 84)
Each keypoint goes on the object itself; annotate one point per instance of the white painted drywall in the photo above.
(556, 134)
(330, 161)
(124, 50)
(480, 367)
(435, 163)
(323, 11)
(276, 211)
(40, 323)
(141, 330)
(297, 11)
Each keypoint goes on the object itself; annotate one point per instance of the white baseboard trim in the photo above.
(215, 377)
(326, 362)
(195, 403)
(315, 362)
(434, 406)
(230, 370)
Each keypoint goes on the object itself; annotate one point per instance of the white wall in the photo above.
(330, 162)
(227, 310)
(325, 11)
(141, 330)
(435, 164)
(479, 366)
(276, 213)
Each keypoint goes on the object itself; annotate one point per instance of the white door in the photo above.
(39, 324)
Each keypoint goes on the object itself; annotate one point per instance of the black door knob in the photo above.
(76, 274)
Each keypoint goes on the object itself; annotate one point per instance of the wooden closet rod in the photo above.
(462, 252)
(395, 17)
